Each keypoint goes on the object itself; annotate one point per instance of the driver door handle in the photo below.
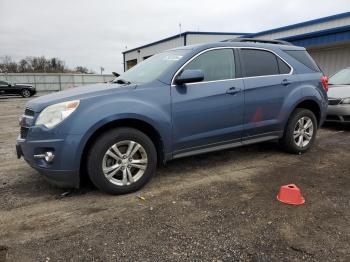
(233, 90)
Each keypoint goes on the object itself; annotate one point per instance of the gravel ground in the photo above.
(214, 207)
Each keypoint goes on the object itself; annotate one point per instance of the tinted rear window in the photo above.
(259, 62)
(303, 57)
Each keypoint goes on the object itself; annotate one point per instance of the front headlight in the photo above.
(346, 101)
(55, 114)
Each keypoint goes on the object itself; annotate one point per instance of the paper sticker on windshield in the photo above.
(172, 57)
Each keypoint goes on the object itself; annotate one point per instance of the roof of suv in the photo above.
(241, 44)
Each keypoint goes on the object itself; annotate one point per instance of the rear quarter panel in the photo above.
(309, 88)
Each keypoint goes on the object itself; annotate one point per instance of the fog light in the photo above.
(48, 156)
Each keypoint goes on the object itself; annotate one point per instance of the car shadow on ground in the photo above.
(9, 97)
(176, 167)
(336, 126)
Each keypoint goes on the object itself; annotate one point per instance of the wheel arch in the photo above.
(311, 105)
(138, 124)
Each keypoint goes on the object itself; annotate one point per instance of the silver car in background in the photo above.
(339, 97)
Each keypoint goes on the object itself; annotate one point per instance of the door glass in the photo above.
(259, 63)
(216, 64)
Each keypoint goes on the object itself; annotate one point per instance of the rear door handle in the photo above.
(286, 82)
(233, 90)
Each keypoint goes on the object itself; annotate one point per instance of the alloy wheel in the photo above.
(25, 93)
(124, 163)
(303, 131)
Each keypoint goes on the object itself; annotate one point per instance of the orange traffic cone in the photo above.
(290, 194)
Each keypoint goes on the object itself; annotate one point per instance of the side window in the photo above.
(303, 57)
(259, 62)
(283, 67)
(216, 64)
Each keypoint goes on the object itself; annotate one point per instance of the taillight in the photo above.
(324, 80)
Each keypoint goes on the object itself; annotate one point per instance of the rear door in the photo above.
(268, 80)
(208, 113)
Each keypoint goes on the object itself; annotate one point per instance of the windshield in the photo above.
(150, 69)
(340, 78)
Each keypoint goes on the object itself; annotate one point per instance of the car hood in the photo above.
(339, 91)
(81, 93)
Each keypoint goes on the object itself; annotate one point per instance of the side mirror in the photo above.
(189, 76)
(115, 74)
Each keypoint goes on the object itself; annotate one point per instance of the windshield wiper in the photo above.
(122, 81)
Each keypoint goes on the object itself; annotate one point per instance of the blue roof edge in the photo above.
(183, 34)
(310, 22)
(317, 33)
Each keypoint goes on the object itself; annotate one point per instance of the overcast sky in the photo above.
(93, 33)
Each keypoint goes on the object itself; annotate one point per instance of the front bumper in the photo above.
(63, 170)
(338, 113)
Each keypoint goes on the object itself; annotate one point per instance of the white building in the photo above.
(327, 39)
(136, 55)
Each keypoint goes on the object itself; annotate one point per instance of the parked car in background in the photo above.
(16, 89)
(182, 102)
(339, 97)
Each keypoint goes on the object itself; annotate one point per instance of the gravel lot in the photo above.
(214, 207)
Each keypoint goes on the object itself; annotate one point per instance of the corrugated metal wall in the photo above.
(331, 59)
(55, 82)
(307, 29)
(153, 49)
(191, 39)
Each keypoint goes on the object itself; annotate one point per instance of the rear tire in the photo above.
(25, 93)
(300, 132)
(121, 161)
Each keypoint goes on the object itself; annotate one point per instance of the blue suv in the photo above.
(185, 101)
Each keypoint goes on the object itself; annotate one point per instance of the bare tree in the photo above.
(81, 69)
(38, 64)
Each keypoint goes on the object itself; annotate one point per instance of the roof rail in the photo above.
(257, 40)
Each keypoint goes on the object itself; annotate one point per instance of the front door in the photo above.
(209, 113)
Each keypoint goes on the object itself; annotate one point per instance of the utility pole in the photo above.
(102, 69)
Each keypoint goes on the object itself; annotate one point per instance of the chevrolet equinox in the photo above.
(181, 102)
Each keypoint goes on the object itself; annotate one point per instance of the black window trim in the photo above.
(236, 61)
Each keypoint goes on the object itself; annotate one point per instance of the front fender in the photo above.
(93, 115)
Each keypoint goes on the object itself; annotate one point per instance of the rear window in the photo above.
(303, 57)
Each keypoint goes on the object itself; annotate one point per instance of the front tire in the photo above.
(121, 161)
(300, 132)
